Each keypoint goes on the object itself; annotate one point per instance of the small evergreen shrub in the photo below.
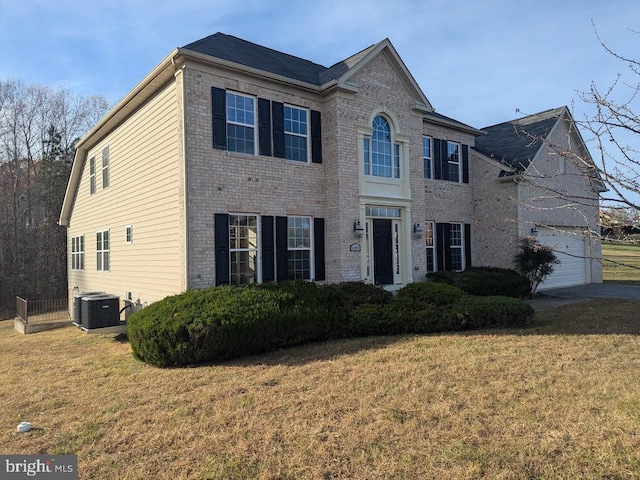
(221, 323)
(227, 322)
(475, 312)
(353, 294)
(415, 307)
(370, 319)
(430, 293)
(485, 281)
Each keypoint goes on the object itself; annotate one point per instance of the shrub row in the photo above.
(222, 323)
(486, 281)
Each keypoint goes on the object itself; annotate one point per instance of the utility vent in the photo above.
(77, 305)
(99, 311)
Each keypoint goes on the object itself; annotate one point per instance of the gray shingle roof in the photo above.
(515, 143)
(233, 49)
(237, 50)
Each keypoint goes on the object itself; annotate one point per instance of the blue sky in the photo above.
(476, 61)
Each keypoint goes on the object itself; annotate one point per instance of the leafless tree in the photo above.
(38, 130)
(614, 128)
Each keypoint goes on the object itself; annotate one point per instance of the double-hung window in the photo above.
(296, 133)
(430, 246)
(102, 251)
(299, 248)
(92, 175)
(381, 155)
(427, 156)
(77, 253)
(456, 247)
(243, 249)
(453, 161)
(105, 167)
(241, 121)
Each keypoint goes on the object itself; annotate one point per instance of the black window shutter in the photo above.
(465, 163)
(282, 261)
(277, 112)
(316, 137)
(221, 240)
(440, 247)
(467, 245)
(268, 265)
(219, 113)
(264, 126)
(437, 159)
(444, 158)
(318, 248)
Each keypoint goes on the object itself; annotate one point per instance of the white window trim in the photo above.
(77, 252)
(257, 249)
(307, 136)
(429, 158)
(310, 248)
(92, 175)
(254, 99)
(106, 180)
(396, 235)
(103, 251)
(460, 247)
(396, 146)
(432, 247)
(459, 162)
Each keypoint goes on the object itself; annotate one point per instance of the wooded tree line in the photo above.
(39, 127)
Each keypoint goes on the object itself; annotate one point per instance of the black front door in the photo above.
(382, 252)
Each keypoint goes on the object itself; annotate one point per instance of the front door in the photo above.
(382, 251)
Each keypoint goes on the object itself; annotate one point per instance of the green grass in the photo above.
(621, 263)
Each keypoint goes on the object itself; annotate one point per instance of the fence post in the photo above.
(21, 307)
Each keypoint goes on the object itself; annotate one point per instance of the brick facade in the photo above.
(336, 190)
(209, 182)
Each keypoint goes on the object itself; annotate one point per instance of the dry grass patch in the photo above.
(560, 399)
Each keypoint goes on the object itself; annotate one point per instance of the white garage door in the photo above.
(569, 247)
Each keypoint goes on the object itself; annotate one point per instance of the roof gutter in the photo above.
(452, 124)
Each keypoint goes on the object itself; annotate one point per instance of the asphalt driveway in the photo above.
(556, 297)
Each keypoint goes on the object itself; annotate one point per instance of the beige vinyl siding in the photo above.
(146, 184)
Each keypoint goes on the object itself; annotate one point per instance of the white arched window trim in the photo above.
(382, 151)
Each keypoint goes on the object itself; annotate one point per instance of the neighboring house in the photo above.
(534, 176)
(234, 163)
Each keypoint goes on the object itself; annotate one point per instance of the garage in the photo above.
(569, 247)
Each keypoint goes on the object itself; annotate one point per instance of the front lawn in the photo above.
(557, 399)
(621, 262)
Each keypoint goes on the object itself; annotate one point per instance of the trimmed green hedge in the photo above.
(228, 322)
(486, 281)
(222, 323)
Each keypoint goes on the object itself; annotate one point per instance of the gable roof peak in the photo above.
(515, 143)
(551, 113)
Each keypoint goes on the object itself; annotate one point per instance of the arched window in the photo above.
(381, 155)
